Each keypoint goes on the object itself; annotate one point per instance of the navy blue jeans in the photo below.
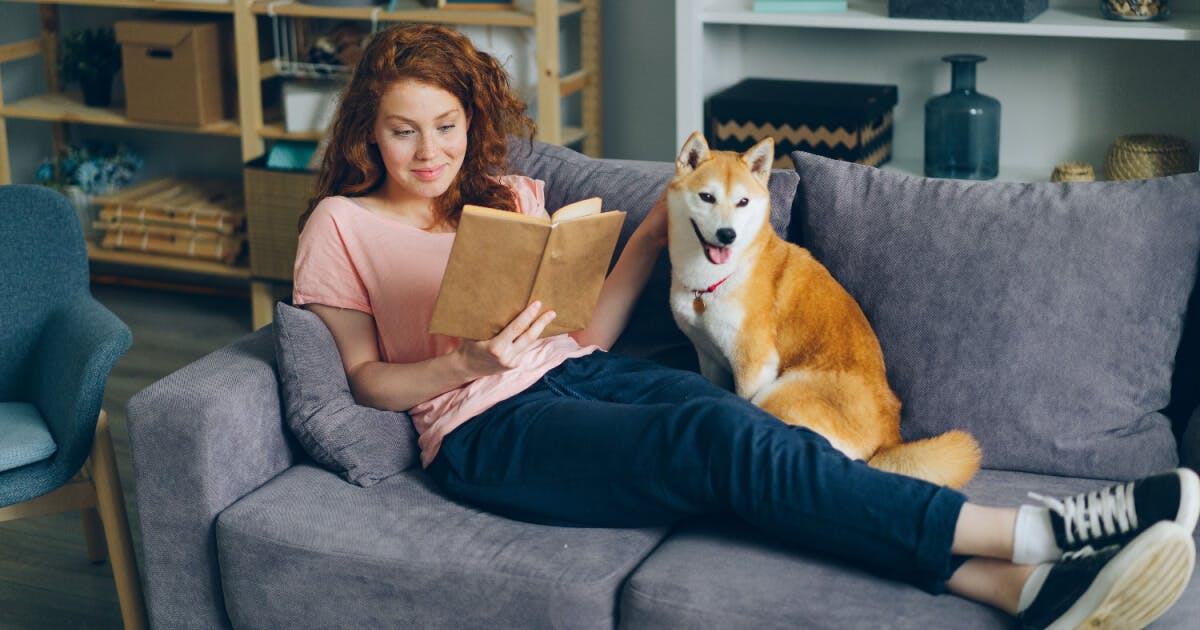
(609, 441)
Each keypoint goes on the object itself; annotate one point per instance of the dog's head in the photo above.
(718, 200)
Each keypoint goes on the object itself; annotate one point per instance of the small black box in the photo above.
(844, 121)
(991, 11)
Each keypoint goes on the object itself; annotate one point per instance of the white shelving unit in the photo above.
(1068, 82)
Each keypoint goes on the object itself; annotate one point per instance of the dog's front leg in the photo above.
(715, 371)
(757, 363)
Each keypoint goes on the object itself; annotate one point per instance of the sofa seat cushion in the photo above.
(24, 436)
(720, 574)
(308, 550)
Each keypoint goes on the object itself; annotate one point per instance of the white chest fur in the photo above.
(713, 327)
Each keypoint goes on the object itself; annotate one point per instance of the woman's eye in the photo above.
(707, 197)
(403, 133)
(446, 128)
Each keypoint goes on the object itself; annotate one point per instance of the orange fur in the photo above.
(831, 375)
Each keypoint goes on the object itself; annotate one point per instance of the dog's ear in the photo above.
(760, 158)
(695, 151)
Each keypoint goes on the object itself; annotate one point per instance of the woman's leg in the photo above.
(607, 441)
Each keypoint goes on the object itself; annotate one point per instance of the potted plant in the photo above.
(91, 57)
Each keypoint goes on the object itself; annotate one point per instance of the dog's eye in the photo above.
(743, 202)
(707, 198)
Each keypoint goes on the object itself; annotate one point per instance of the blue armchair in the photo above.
(57, 346)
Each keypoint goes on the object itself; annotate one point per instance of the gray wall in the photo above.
(639, 79)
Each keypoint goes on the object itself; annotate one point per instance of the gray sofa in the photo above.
(1048, 319)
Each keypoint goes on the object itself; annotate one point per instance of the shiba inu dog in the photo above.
(769, 322)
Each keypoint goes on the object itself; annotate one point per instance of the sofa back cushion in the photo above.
(1043, 318)
(633, 186)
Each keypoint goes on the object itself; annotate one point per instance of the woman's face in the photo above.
(421, 132)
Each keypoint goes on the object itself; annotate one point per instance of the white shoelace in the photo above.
(1101, 513)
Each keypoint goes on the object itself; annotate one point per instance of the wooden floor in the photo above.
(46, 581)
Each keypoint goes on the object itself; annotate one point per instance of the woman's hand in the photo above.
(503, 352)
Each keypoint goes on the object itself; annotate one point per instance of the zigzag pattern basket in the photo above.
(844, 121)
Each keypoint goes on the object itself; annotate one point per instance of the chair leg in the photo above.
(93, 535)
(111, 505)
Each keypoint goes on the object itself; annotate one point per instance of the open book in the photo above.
(501, 261)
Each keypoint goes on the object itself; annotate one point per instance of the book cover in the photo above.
(502, 261)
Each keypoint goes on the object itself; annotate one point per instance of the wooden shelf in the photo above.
(1082, 21)
(150, 5)
(67, 108)
(155, 261)
(513, 17)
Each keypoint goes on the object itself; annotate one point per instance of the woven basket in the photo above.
(274, 202)
(1073, 172)
(1144, 155)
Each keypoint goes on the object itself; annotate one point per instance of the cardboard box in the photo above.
(844, 121)
(308, 106)
(172, 70)
(994, 11)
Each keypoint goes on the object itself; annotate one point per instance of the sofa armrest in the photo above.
(200, 439)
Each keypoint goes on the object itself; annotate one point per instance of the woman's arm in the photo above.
(628, 278)
(401, 386)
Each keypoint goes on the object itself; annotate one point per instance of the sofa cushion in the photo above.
(24, 436)
(633, 186)
(1043, 318)
(721, 574)
(362, 444)
(307, 550)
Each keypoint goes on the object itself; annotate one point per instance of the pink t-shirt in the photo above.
(351, 257)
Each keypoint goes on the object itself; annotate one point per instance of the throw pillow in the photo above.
(1043, 318)
(361, 444)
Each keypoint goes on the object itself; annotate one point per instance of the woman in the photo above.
(557, 430)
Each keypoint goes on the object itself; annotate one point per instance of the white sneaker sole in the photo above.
(1189, 499)
(1138, 585)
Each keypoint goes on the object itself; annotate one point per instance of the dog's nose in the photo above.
(726, 235)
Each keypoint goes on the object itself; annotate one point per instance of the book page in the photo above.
(576, 209)
(573, 269)
(490, 274)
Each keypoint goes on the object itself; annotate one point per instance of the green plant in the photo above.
(89, 54)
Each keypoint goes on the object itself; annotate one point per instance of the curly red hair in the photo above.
(444, 58)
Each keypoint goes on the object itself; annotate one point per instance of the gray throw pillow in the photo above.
(633, 186)
(1043, 318)
(361, 444)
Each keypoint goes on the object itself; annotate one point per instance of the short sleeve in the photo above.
(530, 194)
(324, 272)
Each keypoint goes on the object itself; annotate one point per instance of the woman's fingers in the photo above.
(519, 324)
(534, 331)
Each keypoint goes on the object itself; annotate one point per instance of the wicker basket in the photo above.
(275, 200)
(1145, 155)
(1073, 172)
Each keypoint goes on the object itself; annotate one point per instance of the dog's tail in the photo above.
(950, 459)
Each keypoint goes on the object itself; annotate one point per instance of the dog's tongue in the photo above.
(716, 255)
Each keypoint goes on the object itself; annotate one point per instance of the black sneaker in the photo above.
(1116, 514)
(1117, 587)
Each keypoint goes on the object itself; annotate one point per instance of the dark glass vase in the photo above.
(962, 127)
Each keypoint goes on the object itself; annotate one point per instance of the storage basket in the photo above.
(1142, 156)
(275, 199)
(844, 121)
(1073, 172)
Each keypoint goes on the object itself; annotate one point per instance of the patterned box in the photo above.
(845, 121)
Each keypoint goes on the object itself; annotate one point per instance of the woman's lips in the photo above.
(428, 174)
